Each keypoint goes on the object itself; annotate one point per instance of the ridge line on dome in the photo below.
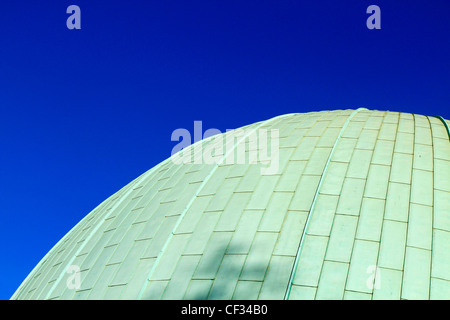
(376, 278)
(433, 210)
(204, 182)
(143, 177)
(311, 210)
(445, 125)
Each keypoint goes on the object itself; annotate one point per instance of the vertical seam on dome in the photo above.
(360, 206)
(433, 210)
(409, 214)
(326, 113)
(444, 122)
(205, 181)
(375, 279)
(311, 210)
(122, 198)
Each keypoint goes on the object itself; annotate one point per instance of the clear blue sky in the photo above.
(84, 112)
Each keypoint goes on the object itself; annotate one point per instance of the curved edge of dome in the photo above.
(125, 191)
(445, 122)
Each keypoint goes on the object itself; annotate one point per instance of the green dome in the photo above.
(357, 208)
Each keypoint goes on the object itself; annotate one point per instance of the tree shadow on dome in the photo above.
(236, 276)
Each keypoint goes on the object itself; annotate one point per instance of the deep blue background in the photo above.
(83, 112)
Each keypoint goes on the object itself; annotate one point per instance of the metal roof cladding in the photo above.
(359, 208)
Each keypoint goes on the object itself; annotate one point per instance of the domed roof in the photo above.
(358, 207)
